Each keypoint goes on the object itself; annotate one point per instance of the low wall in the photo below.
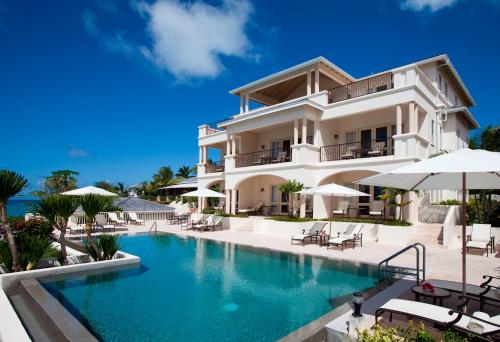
(394, 235)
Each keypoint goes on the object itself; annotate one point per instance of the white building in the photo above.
(317, 124)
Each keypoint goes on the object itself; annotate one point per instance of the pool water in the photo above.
(199, 290)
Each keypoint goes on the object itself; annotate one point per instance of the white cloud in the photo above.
(90, 23)
(188, 39)
(421, 5)
(77, 153)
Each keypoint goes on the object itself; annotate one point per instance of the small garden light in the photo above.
(357, 300)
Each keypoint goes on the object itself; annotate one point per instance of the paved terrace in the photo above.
(441, 263)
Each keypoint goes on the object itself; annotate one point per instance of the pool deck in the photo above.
(442, 263)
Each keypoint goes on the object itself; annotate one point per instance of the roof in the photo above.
(181, 186)
(139, 204)
(292, 70)
(467, 114)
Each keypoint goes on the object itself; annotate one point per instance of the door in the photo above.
(286, 148)
(284, 203)
(275, 198)
(381, 137)
(366, 139)
(275, 149)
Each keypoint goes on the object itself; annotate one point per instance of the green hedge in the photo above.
(338, 219)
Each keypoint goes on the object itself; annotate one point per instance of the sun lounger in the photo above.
(377, 209)
(100, 222)
(112, 217)
(480, 238)
(74, 228)
(479, 324)
(215, 222)
(202, 224)
(485, 292)
(352, 234)
(133, 217)
(311, 234)
(256, 208)
(342, 208)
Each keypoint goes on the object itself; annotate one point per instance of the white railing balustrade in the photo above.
(143, 215)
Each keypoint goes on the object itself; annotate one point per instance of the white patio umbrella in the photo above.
(333, 190)
(459, 170)
(203, 193)
(87, 191)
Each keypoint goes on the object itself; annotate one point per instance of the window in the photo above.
(445, 89)
(274, 194)
(366, 190)
(350, 137)
(377, 191)
(439, 82)
(458, 138)
(456, 100)
(433, 132)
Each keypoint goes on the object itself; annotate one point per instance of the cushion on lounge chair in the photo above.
(339, 240)
(300, 236)
(481, 232)
(477, 244)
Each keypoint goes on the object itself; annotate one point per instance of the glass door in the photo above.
(275, 196)
(381, 137)
(275, 149)
(366, 141)
(286, 148)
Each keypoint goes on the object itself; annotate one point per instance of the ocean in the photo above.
(19, 207)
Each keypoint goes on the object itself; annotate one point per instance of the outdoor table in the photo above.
(437, 294)
(323, 239)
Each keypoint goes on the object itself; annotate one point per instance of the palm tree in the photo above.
(185, 171)
(121, 188)
(395, 199)
(11, 183)
(93, 205)
(164, 177)
(57, 209)
(289, 188)
(60, 181)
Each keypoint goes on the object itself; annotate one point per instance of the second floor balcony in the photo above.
(357, 150)
(363, 87)
(264, 157)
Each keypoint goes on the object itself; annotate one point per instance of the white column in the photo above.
(205, 153)
(247, 106)
(200, 155)
(308, 83)
(304, 130)
(295, 131)
(233, 145)
(316, 133)
(399, 120)
(415, 117)
(233, 201)
(302, 206)
(316, 79)
(411, 118)
(228, 201)
(228, 146)
(200, 205)
(241, 104)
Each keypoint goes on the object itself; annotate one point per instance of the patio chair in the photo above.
(74, 227)
(112, 217)
(349, 151)
(352, 234)
(280, 158)
(101, 222)
(311, 234)
(377, 209)
(479, 324)
(215, 222)
(133, 217)
(377, 149)
(256, 208)
(485, 293)
(202, 224)
(480, 238)
(341, 208)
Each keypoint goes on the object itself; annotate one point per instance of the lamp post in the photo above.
(357, 301)
(356, 319)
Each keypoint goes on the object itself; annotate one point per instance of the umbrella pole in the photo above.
(464, 238)
(331, 214)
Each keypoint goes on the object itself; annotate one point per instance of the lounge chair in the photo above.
(480, 238)
(479, 324)
(112, 217)
(101, 222)
(377, 149)
(216, 221)
(256, 208)
(485, 293)
(352, 234)
(311, 234)
(377, 209)
(195, 219)
(342, 208)
(202, 224)
(74, 227)
(133, 217)
(280, 158)
(348, 152)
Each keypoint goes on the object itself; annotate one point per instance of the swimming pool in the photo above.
(195, 289)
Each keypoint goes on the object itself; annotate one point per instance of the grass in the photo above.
(338, 219)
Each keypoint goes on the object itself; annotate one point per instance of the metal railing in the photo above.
(215, 167)
(153, 226)
(359, 149)
(147, 216)
(274, 156)
(384, 268)
(360, 88)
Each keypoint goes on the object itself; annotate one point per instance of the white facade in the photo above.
(317, 125)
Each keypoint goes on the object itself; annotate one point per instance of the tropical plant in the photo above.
(57, 209)
(93, 205)
(60, 181)
(31, 249)
(289, 188)
(164, 177)
(414, 332)
(106, 186)
(185, 171)
(120, 188)
(395, 198)
(105, 247)
(11, 183)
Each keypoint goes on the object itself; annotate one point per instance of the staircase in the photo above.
(429, 234)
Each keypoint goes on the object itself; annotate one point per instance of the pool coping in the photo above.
(11, 326)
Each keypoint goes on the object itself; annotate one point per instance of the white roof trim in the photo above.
(313, 61)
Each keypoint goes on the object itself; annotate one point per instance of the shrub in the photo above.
(208, 210)
(449, 202)
(30, 249)
(5, 256)
(340, 219)
(105, 247)
(414, 332)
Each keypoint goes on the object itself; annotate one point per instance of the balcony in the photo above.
(214, 167)
(360, 88)
(264, 157)
(357, 150)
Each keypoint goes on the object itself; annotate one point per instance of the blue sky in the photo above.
(116, 90)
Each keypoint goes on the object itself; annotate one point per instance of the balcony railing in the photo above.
(215, 167)
(355, 150)
(364, 87)
(274, 156)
